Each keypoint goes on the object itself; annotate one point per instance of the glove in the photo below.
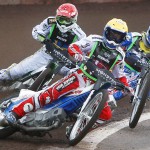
(5, 74)
(78, 57)
(72, 70)
(41, 38)
(49, 45)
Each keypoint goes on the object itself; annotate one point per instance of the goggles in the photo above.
(64, 20)
(113, 35)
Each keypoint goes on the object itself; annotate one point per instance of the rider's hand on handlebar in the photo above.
(41, 38)
(72, 70)
(49, 45)
(78, 57)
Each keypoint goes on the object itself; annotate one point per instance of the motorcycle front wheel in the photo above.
(139, 103)
(88, 117)
(6, 132)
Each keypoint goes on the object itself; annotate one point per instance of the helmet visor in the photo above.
(116, 36)
(64, 20)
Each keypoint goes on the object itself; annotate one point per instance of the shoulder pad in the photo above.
(135, 34)
(120, 50)
(95, 38)
(51, 20)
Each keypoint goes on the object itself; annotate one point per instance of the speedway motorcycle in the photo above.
(83, 104)
(141, 93)
(42, 77)
(140, 82)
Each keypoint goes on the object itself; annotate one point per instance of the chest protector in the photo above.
(102, 58)
(62, 40)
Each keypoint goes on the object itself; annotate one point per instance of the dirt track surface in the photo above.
(16, 43)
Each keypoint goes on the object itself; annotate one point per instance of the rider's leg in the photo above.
(51, 94)
(33, 62)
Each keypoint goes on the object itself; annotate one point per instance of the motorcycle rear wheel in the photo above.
(6, 131)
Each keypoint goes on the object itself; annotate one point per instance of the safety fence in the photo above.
(29, 2)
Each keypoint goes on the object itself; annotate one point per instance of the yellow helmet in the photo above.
(115, 32)
(144, 43)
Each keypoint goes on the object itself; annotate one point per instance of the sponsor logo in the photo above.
(51, 20)
(28, 107)
(76, 92)
(60, 55)
(104, 59)
(86, 45)
(106, 54)
(105, 76)
(65, 83)
(47, 101)
(62, 39)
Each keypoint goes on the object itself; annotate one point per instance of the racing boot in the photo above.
(104, 117)
(112, 102)
(5, 74)
(12, 118)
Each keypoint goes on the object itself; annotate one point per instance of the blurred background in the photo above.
(18, 17)
(15, 2)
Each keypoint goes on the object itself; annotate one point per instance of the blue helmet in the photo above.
(148, 36)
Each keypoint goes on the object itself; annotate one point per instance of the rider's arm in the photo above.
(118, 72)
(78, 32)
(82, 47)
(78, 49)
(41, 31)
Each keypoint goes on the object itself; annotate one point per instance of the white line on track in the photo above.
(96, 136)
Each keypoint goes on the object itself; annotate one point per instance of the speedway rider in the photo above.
(139, 47)
(105, 53)
(61, 29)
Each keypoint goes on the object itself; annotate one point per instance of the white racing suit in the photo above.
(131, 48)
(47, 29)
(103, 58)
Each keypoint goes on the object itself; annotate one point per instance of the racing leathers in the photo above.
(47, 29)
(102, 57)
(131, 68)
(135, 51)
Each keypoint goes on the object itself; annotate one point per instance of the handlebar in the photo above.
(121, 86)
(59, 55)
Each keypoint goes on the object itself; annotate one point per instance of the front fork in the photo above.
(95, 88)
(86, 102)
(136, 92)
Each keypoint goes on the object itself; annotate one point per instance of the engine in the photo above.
(44, 118)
